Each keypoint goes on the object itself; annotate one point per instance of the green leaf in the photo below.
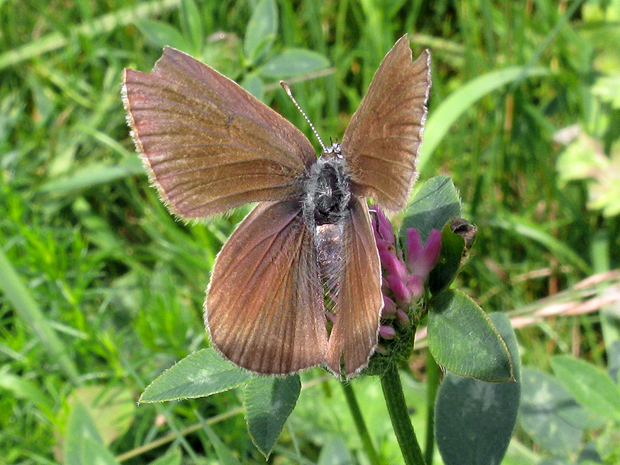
(161, 34)
(608, 443)
(549, 414)
(293, 62)
(474, 420)
(200, 374)
(268, 403)
(112, 406)
(335, 452)
(191, 22)
(96, 453)
(607, 88)
(462, 339)
(446, 114)
(585, 158)
(92, 175)
(452, 246)
(261, 30)
(82, 441)
(590, 386)
(581, 159)
(432, 207)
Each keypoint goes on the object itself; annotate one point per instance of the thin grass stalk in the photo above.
(360, 424)
(432, 381)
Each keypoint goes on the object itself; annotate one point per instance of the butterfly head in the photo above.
(334, 150)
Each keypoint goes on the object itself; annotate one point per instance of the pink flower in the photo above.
(400, 289)
(382, 226)
(422, 259)
(403, 319)
(387, 332)
(404, 280)
(415, 284)
(389, 308)
(393, 265)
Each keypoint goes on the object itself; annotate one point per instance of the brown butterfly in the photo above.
(210, 146)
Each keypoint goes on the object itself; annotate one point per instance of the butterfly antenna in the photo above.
(287, 89)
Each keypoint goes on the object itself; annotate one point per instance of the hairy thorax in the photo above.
(326, 189)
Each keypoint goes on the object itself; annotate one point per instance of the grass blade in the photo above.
(458, 102)
(102, 25)
(31, 315)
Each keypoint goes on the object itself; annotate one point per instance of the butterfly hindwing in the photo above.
(264, 307)
(359, 300)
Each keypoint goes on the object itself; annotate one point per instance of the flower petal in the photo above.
(399, 289)
(414, 247)
(387, 332)
(382, 226)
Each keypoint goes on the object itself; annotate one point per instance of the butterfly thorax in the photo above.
(326, 189)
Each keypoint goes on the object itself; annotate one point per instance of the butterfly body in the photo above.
(326, 190)
(210, 146)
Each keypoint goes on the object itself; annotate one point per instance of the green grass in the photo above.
(102, 287)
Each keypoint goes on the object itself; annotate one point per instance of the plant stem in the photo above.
(354, 407)
(432, 373)
(397, 407)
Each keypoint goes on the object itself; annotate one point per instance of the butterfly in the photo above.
(298, 283)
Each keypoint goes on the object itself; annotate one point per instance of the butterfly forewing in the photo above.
(264, 306)
(359, 301)
(383, 138)
(208, 144)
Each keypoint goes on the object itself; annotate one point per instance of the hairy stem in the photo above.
(397, 407)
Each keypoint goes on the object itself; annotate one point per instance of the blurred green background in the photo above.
(102, 289)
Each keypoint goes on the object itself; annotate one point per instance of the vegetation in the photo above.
(102, 289)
